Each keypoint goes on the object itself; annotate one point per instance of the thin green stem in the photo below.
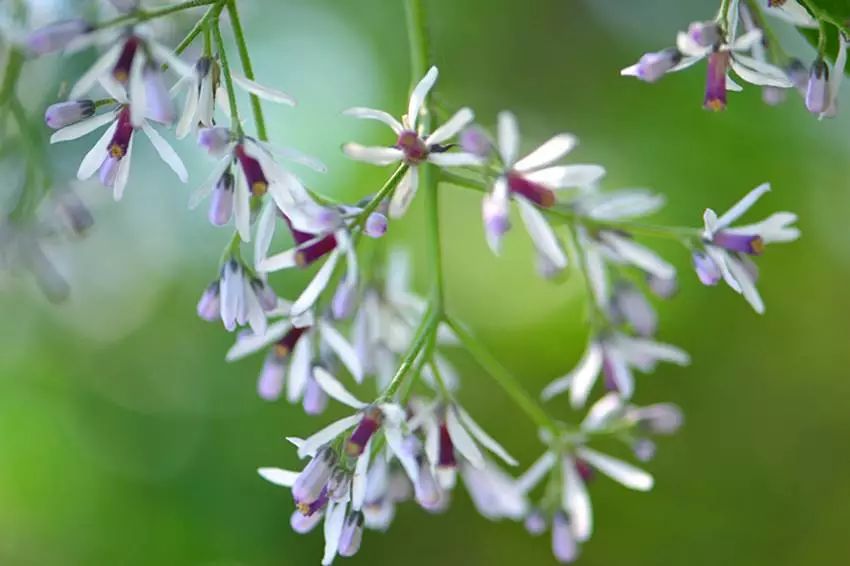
(504, 378)
(247, 67)
(428, 326)
(236, 124)
(200, 26)
(143, 16)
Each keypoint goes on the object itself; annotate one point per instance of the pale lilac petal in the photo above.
(551, 151)
(373, 155)
(166, 152)
(335, 389)
(327, 434)
(576, 501)
(264, 92)
(97, 154)
(508, 136)
(462, 440)
(619, 471)
(420, 92)
(404, 193)
(451, 127)
(379, 115)
(82, 128)
(278, 476)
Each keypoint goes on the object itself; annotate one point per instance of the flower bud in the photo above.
(221, 203)
(303, 524)
(704, 34)
(351, 535)
(563, 542)
(158, 106)
(272, 376)
(215, 140)
(644, 449)
(653, 66)
(707, 270)
(473, 139)
(76, 215)
(629, 305)
(798, 74)
(535, 522)
(817, 90)
(64, 114)
(660, 418)
(773, 96)
(339, 484)
(265, 294)
(376, 225)
(315, 399)
(210, 304)
(56, 36)
(661, 287)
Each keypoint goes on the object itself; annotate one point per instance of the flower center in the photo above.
(415, 150)
(534, 192)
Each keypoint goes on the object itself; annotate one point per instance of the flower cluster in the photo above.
(740, 40)
(359, 320)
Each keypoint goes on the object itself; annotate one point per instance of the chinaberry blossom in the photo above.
(723, 49)
(56, 36)
(112, 153)
(727, 249)
(298, 348)
(135, 63)
(413, 146)
(532, 182)
(615, 355)
(247, 168)
(239, 297)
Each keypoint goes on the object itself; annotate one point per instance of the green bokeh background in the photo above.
(125, 438)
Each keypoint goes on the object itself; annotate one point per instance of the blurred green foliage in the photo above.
(125, 438)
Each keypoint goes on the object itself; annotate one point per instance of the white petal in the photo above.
(90, 77)
(462, 440)
(455, 159)
(279, 261)
(551, 151)
(167, 56)
(97, 154)
(630, 71)
(296, 156)
(597, 274)
(639, 255)
(395, 442)
(189, 117)
(373, 155)
(372, 114)
(576, 501)
(123, 174)
(231, 289)
(636, 348)
(334, 520)
(335, 389)
(483, 438)
(541, 233)
(617, 470)
(742, 205)
(137, 92)
(625, 203)
(508, 135)
(82, 128)
(746, 41)
(254, 312)
(527, 481)
(278, 476)
(759, 73)
(584, 375)
(208, 186)
(567, 176)
(719, 257)
(748, 287)
(261, 91)
(451, 127)
(251, 343)
(300, 368)
(404, 193)
(602, 411)
(686, 44)
(343, 350)
(330, 432)
(358, 481)
(314, 289)
(265, 232)
(620, 373)
(732, 85)
(775, 228)
(709, 218)
(794, 13)
(242, 205)
(420, 92)
(166, 152)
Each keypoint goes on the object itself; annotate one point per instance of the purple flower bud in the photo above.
(315, 399)
(662, 288)
(535, 522)
(369, 424)
(221, 203)
(817, 91)
(707, 270)
(751, 244)
(631, 306)
(715, 82)
(56, 36)
(210, 304)
(265, 294)
(342, 304)
(215, 140)
(704, 34)
(157, 98)
(312, 480)
(351, 535)
(473, 139)
(64, 114)
(563, 542)
(303, 524)
(427, 491)
(339, 484)
(272, 376)
(653, 66)
(660, 418)
(644, 449)
(376, 225)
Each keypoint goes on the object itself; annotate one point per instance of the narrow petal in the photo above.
(300, 368)
(508, 136)
(483, 438)
(335, 389)
(123, 175)
(602, 411)
(314, 289)
(334, 521)
(395, 442)
(462, 440)
(576, 501)
(567, 176)
(86, 82)
(420, 92)
(242, 206)
(759, 73)
(261, 91)
(265, 232)
(551, 151)
(166, 152)
(455, 159)
(343, 350)
(527, 481)
(742, 205)
(167, 56)
(617, 470)
(327, 434)
(373, 155)
(379, 115)
(541, 233)
(278, 476)
(746, 41)
(404, 193)
(748, 287)
(359, 480)
(97, 154)
(137, 92)
(204, 190)
(80, 129)
(639, 255)
(585, 373)
(451, 127)
(249, 344)
(279, 261)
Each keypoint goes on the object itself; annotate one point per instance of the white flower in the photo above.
(204, 92)
(113, 151)
(413, 146)
(240, 299)
(615, 355)
(299, 349)
(531, 182)
(254, 172)
(727, 248)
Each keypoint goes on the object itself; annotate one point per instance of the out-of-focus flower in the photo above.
(238, 298)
